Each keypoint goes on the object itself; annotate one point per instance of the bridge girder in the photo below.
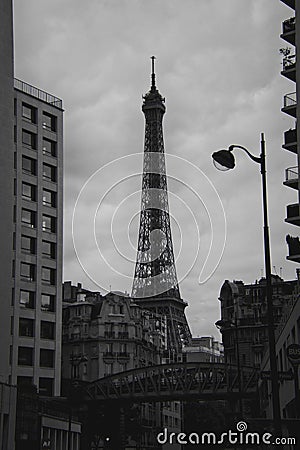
(178, 381)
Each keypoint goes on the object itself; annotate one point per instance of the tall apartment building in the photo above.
(290, 70)
(243, 321)
(31, 164)
(7, 391)
(35, 350)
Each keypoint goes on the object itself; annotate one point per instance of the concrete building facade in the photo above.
(243, 322)
(36, 307)
(203, 349)
(290, 70)
(107, 334)
(7, 390)
(286, 333)
(103, 335)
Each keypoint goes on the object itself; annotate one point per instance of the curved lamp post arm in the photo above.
(256, 159)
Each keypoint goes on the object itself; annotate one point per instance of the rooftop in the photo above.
(38, 93)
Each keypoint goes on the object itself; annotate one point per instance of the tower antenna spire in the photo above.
(153, 73)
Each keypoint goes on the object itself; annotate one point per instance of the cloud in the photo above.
(218, 66)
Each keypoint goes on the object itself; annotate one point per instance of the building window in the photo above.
(47, 330)
(48, 275)
(25, 356)
(29, 192)
(76, 332)
(27, 271)
(49, 172)
(110, 348)
(49, 198)
(29, 113)
(28, 218)
(27, 299)
(26, 327)
(46, 358)
(108, 369)
(46, 386)
(112, 309)
(48, 249)
(28, 165)
(49, 147)
(28, 244)
(49, 224)
(48, 302)
(84, 369)
(49, 121)
(75, 371)
(123, 349)
(24, 381)
(29, 139)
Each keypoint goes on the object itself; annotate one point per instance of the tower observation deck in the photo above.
(155, 284)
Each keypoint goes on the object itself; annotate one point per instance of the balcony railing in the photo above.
(289, 25)
(123, 335)
(289, 62)
(294, 246)
(293, 215)
(124, 355)
(290, 100)
(109, 334)
(37, 93)
(290, 140)
(109, 355)
(290, 103)
(293, 210)
(289, 66)
(290, 136)
(288, 30)
(290, 3)
(292, 173)
(247, 321)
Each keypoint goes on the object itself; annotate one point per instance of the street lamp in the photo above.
(226, 324)
(75, 361)
(225, 159)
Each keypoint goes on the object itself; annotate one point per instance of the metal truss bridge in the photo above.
(179, 381)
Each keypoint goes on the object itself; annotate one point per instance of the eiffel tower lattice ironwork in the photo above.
(155, 284)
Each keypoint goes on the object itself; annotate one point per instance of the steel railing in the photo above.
(292, 173)
(38, 93)
(290, 99)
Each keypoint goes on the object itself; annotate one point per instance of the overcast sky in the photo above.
(218, 66)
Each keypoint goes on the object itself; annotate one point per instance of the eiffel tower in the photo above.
(155, 286)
